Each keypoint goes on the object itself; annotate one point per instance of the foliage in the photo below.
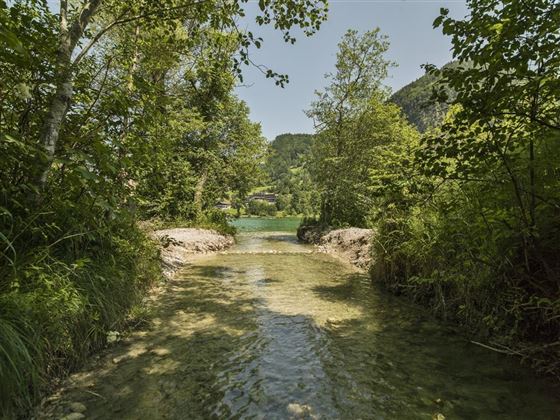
(508, 56)
(478, 240)
(360, 135)
(112, 112)
(261, 208)
(286, 167)
(287, 151)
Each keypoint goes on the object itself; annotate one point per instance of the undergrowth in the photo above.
(213, 220)
(470, 273)
(60, 296)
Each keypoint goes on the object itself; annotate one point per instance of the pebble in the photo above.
(77, 407)
(160, 351)
(123, 358)
(73, 416)
(300, 411)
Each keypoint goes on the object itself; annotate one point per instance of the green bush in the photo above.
(464, 261)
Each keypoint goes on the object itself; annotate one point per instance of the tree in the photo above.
(74, 31)
(506, 105)
(509, 61)
(477, 237)
(353, 123)
(100, 105)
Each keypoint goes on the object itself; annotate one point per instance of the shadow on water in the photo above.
(300, 336)
(404, 364)
(211, 353)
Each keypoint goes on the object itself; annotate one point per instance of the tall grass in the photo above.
(60, 295)
(466, 265)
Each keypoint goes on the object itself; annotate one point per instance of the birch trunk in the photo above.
(69, 36)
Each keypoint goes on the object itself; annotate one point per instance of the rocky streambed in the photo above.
(277, 329)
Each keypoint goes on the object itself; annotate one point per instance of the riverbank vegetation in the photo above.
(117, 116)
(111, 113)
(466, 215)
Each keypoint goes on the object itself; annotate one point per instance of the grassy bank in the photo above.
(448, 263)
(60, 298)
(62, 295)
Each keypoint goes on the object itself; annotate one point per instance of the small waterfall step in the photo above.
(272, 252)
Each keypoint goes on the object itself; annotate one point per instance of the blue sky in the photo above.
(408, 23)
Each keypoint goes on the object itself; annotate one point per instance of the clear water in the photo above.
(296, 335)
(267, 224)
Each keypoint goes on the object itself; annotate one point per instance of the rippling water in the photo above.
(253, 334)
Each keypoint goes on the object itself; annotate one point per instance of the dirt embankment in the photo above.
(351, 244)
(179, 244)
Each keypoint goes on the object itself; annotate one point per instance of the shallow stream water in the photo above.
(269, 330)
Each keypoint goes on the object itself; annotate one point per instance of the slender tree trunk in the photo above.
(121, 151)
(532, 184)
(52, 125)
(199, 191)
(69, 36)
(135, 58)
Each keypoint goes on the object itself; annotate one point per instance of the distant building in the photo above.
(223, 205)
(270, 197)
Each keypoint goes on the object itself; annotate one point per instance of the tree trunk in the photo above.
(199, 190)
(52, 125)
(68, 39)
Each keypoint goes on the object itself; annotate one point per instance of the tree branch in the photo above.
(122, 20)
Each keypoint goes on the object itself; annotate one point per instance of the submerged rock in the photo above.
(300, 411)
(77, 407)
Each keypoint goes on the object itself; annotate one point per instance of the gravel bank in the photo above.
(179, 244)
(351, 244)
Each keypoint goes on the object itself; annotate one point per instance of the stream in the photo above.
(269, 330)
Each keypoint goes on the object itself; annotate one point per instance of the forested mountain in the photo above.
(416, 103)
(288, 175)
(287, 151)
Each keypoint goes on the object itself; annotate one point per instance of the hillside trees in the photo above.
(418, 104)
(287, 169)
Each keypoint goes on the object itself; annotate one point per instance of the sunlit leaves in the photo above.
(513, 46)
(359, 152)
